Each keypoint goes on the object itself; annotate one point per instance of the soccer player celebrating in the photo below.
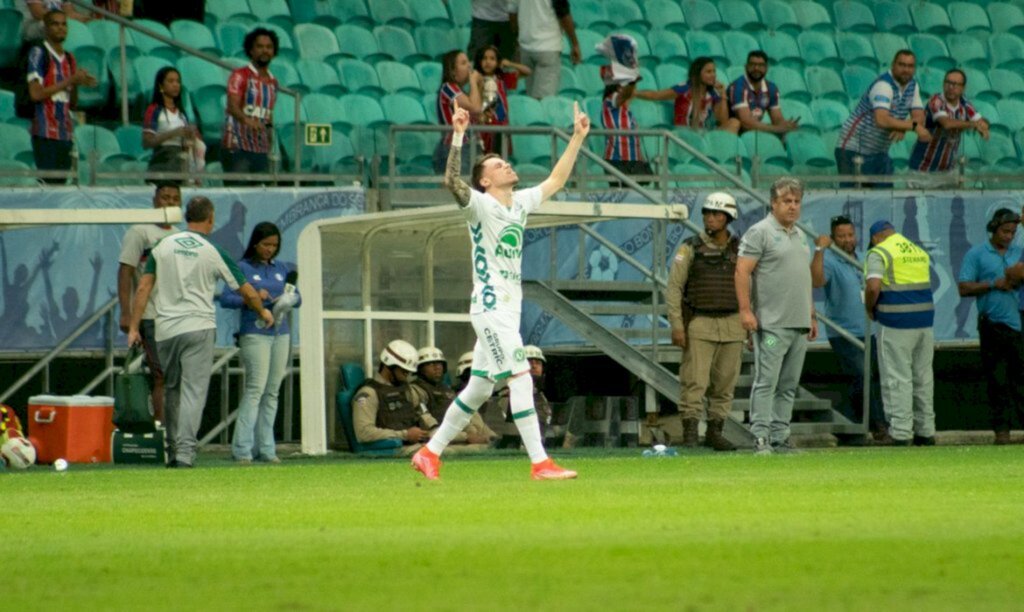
(496, 216)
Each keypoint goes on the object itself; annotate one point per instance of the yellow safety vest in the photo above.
(906, 297)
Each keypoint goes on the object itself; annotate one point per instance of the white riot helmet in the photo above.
(534, 352)
(465, 363)
(721, 202)
(399, 353)
(430, 354)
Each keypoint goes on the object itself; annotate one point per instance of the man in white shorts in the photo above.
(496, 216)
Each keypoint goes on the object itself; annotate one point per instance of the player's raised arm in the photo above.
(452, 180)
(560, 173)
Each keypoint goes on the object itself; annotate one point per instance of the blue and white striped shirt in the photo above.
(860, 133)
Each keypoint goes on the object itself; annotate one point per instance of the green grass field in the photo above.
(935, 529)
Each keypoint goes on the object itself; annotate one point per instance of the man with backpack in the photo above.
(52, 86)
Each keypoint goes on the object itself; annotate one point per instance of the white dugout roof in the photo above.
(368, 279)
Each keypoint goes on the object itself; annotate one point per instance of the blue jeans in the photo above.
(265, 359)
(851, 361)
(879, 163)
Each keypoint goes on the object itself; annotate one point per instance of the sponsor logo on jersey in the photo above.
(483, 274)
(510, 242)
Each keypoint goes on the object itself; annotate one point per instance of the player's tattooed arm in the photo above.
(452, 180)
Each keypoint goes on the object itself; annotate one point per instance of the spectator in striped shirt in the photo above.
(886, 112)
(752, 97)
(700, 102)
(622, 151)
(249, 116)
(53, 81)
(947, 116)
(457, 72)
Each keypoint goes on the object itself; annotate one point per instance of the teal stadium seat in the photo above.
(399, 78)
(321, 108)
(931, 52)
(435, 42)
(588, 40)
(930, 80)
(970, 17)
(284, 111)
(813, 16)
(978, 87)
(366, 117)
(532, 149)
(793, 109)
(91, 138)
(1012, 113)
(592, 15)
(352, 376)
(588, 77)
(430, 106)
(231, 38)
(316, 42)
(359, 42)
(17, 143)
(429, 74)
(894, 18)
(968, 51)
(669, 75)
(702, 16)
(1006, 51)
(285, 138)
(782, 50)
(359, 77)
(829, 114)
(568, 86)
(276, 12)
(10, 165)
(398, 45)
(668, 46)
(740, 15)
(649, 116)
(325, 158)
(558, 112)
(1009, 83)
(461, 11)
(666, 15)
(524, 110)
(223, 11)
(305, 11)
(197, 73)
(725, 148)
(930, 18)
(195, 35)
(857, 50)
(93, 59)
(319, 77)
(767, 147)
(677, 154)
(129, 138)
(628, 15)
(989, 112)
(403, 110)
(779, 16)
(694, 176)
(886, 46)
(151, 46)
(288, 75)
(209, 103)
(415, 147)
(819, 49)
(791, 83)
(1006, 17)
(344, 12)
(430, 13)
(79, 35)
(854, 17)
(6, 105)
(737, 45)
(808, 149)
(857, 80)
(707, 44)
(999, 150)
(395, 13)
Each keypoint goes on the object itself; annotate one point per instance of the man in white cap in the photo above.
(431, 391)
(705, 319)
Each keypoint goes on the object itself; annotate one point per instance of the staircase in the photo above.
(577, 303)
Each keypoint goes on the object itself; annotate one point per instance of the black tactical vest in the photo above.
(711, 287)
(439, 397)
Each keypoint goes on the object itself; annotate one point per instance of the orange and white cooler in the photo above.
(76, 428)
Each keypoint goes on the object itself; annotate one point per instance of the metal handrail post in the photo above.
(122, 40)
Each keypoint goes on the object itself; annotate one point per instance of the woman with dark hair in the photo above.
(456, 74)
(265, 351)
(165, 127)
(700, 103)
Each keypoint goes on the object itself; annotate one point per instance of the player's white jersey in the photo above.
(496, 234)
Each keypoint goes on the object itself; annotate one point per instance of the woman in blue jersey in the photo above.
(265, 350)
(165, 127)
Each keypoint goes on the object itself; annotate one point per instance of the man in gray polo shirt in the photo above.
(184, 268)
(778, 310)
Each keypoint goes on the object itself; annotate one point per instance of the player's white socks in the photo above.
(457, 417)
(524, 416)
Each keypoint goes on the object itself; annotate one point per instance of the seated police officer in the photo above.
(385, 406)
(431, 391)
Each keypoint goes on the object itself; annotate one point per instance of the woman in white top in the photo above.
(165, 127)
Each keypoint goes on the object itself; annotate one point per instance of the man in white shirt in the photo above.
(539, 25)
(496, 216)
(184, 268)
(135, 249)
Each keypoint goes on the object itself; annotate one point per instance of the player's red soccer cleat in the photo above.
(549, 470)
(427, 463)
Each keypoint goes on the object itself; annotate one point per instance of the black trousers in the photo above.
(1002, 358)
(52, 155)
